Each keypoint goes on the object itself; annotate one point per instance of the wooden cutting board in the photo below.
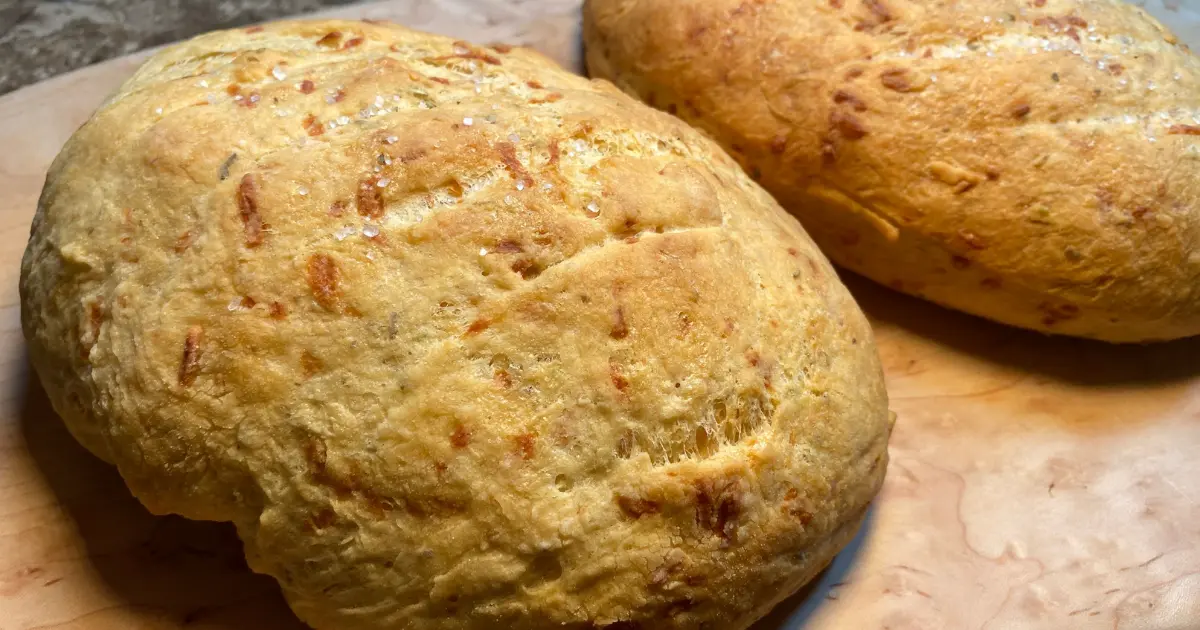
(1035, 482)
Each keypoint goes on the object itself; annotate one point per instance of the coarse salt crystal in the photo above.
(343, 120)
(235, 304)
(383, 182)
(158, 110)
(370, 231)
(483, 251)
(514, 138)
(392, 139)
(203, 83)
(520, 184)
(468, 122)
(343, 233)
(547, 186)
(278, 73)
(302, 190)
(593, 209)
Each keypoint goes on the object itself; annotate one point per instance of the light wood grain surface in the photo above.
(1035, 482)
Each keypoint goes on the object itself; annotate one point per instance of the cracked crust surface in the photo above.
(1035, 162)
(455, 338)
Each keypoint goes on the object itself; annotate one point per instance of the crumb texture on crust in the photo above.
(1035, 162)
(456, 339)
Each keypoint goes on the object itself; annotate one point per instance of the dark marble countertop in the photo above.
(43, 38)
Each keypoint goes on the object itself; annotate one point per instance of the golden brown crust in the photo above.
(1029, 162)
(456, 339)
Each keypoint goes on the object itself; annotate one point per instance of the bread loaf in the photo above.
(455, 338)
(1034, 162)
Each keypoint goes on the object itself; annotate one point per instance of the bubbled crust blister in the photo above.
(1030, 161)
(456, 339)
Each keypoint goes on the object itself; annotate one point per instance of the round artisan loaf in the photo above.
(457, 339)
(1035, 162)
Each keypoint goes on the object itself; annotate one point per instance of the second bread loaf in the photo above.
(1031, 162)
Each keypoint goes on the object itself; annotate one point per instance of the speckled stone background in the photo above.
(42, 38)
